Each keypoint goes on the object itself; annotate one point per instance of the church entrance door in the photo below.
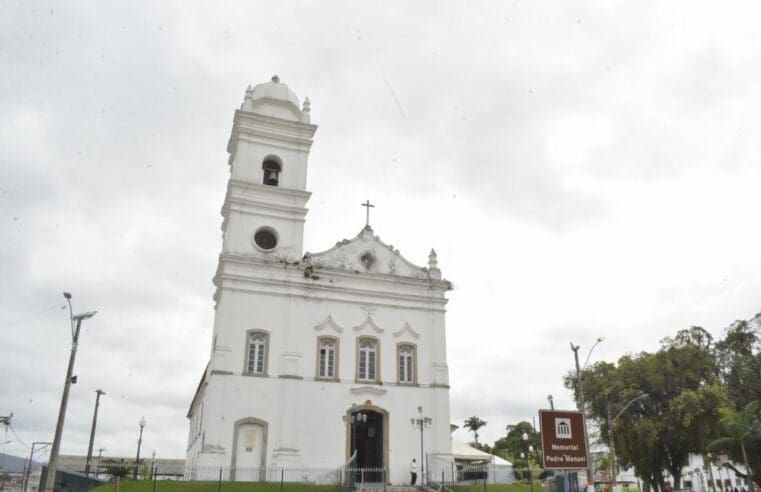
(367, 439)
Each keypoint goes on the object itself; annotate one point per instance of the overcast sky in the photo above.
(583, 169)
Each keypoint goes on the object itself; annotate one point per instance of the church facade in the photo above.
(315, 357)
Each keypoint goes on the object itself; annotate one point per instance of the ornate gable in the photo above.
(367, 253)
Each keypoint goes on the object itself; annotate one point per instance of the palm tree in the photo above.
(474, 423)
(738, 427)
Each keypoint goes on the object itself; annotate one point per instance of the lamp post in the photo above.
(53, 462)
(100, 453)
(88, 462)
(709, 464)
(582, 406)
(354, 421)
(529, 451)
(611, 442)
(139, 442)
(421, 423)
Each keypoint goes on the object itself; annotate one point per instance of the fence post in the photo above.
(282, 473)
(153, 475)
(219, 481)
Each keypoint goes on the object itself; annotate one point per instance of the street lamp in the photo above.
(575, 349)
(611, 443)
(529, 451)
(709, 465)
(53, 462)
(139, 442)
(98, 392)
(421, 423)
(97, 468)
(354, 421)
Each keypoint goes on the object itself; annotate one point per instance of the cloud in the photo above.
(582, 170)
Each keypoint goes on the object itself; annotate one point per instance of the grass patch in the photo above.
(197, 486)
(496, 487)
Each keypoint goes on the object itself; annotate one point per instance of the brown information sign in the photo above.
(563, 443)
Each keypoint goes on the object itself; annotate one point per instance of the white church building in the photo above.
(314, 356)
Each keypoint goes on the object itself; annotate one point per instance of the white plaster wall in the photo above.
(305, 415)
(306, 418)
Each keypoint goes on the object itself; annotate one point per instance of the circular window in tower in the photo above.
(265, 238)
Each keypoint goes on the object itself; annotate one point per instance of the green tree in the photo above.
(473, 424)
(738, 356)
(739, 428)
(513, 445)
(678, 418)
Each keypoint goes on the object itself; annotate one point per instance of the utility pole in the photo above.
(139, 442)
(98, 392)
(6, 421)
(28, 468)
(53, 462)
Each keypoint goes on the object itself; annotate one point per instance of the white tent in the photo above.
(499, 470)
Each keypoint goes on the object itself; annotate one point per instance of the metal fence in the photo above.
(492, 477)
(148, 478)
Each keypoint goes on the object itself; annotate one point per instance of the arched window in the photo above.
(367, 363)
(272, 170)
(327, 358)
(256, 361)
(406, 367)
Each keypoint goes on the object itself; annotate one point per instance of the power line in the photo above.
(17, 437)
(29, 316)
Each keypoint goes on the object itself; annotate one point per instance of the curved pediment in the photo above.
(367, 253)
(369, 323)
(408, 330)
(329, 323)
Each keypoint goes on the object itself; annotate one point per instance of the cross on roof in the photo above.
(367, 206)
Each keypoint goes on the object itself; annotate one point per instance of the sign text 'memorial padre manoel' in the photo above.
(563, 443)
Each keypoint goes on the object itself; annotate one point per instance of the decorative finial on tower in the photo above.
(432, 261)
(249, 94)
(433, 265)
(305, 108)
(275, 79)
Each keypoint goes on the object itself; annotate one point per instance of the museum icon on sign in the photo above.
(563, 428)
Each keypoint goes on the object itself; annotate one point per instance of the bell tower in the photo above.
(265, 204)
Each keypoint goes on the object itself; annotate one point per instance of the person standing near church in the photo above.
(413, 472)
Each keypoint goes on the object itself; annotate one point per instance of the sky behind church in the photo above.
(583, 169)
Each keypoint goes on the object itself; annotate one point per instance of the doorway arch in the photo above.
(368, 438)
